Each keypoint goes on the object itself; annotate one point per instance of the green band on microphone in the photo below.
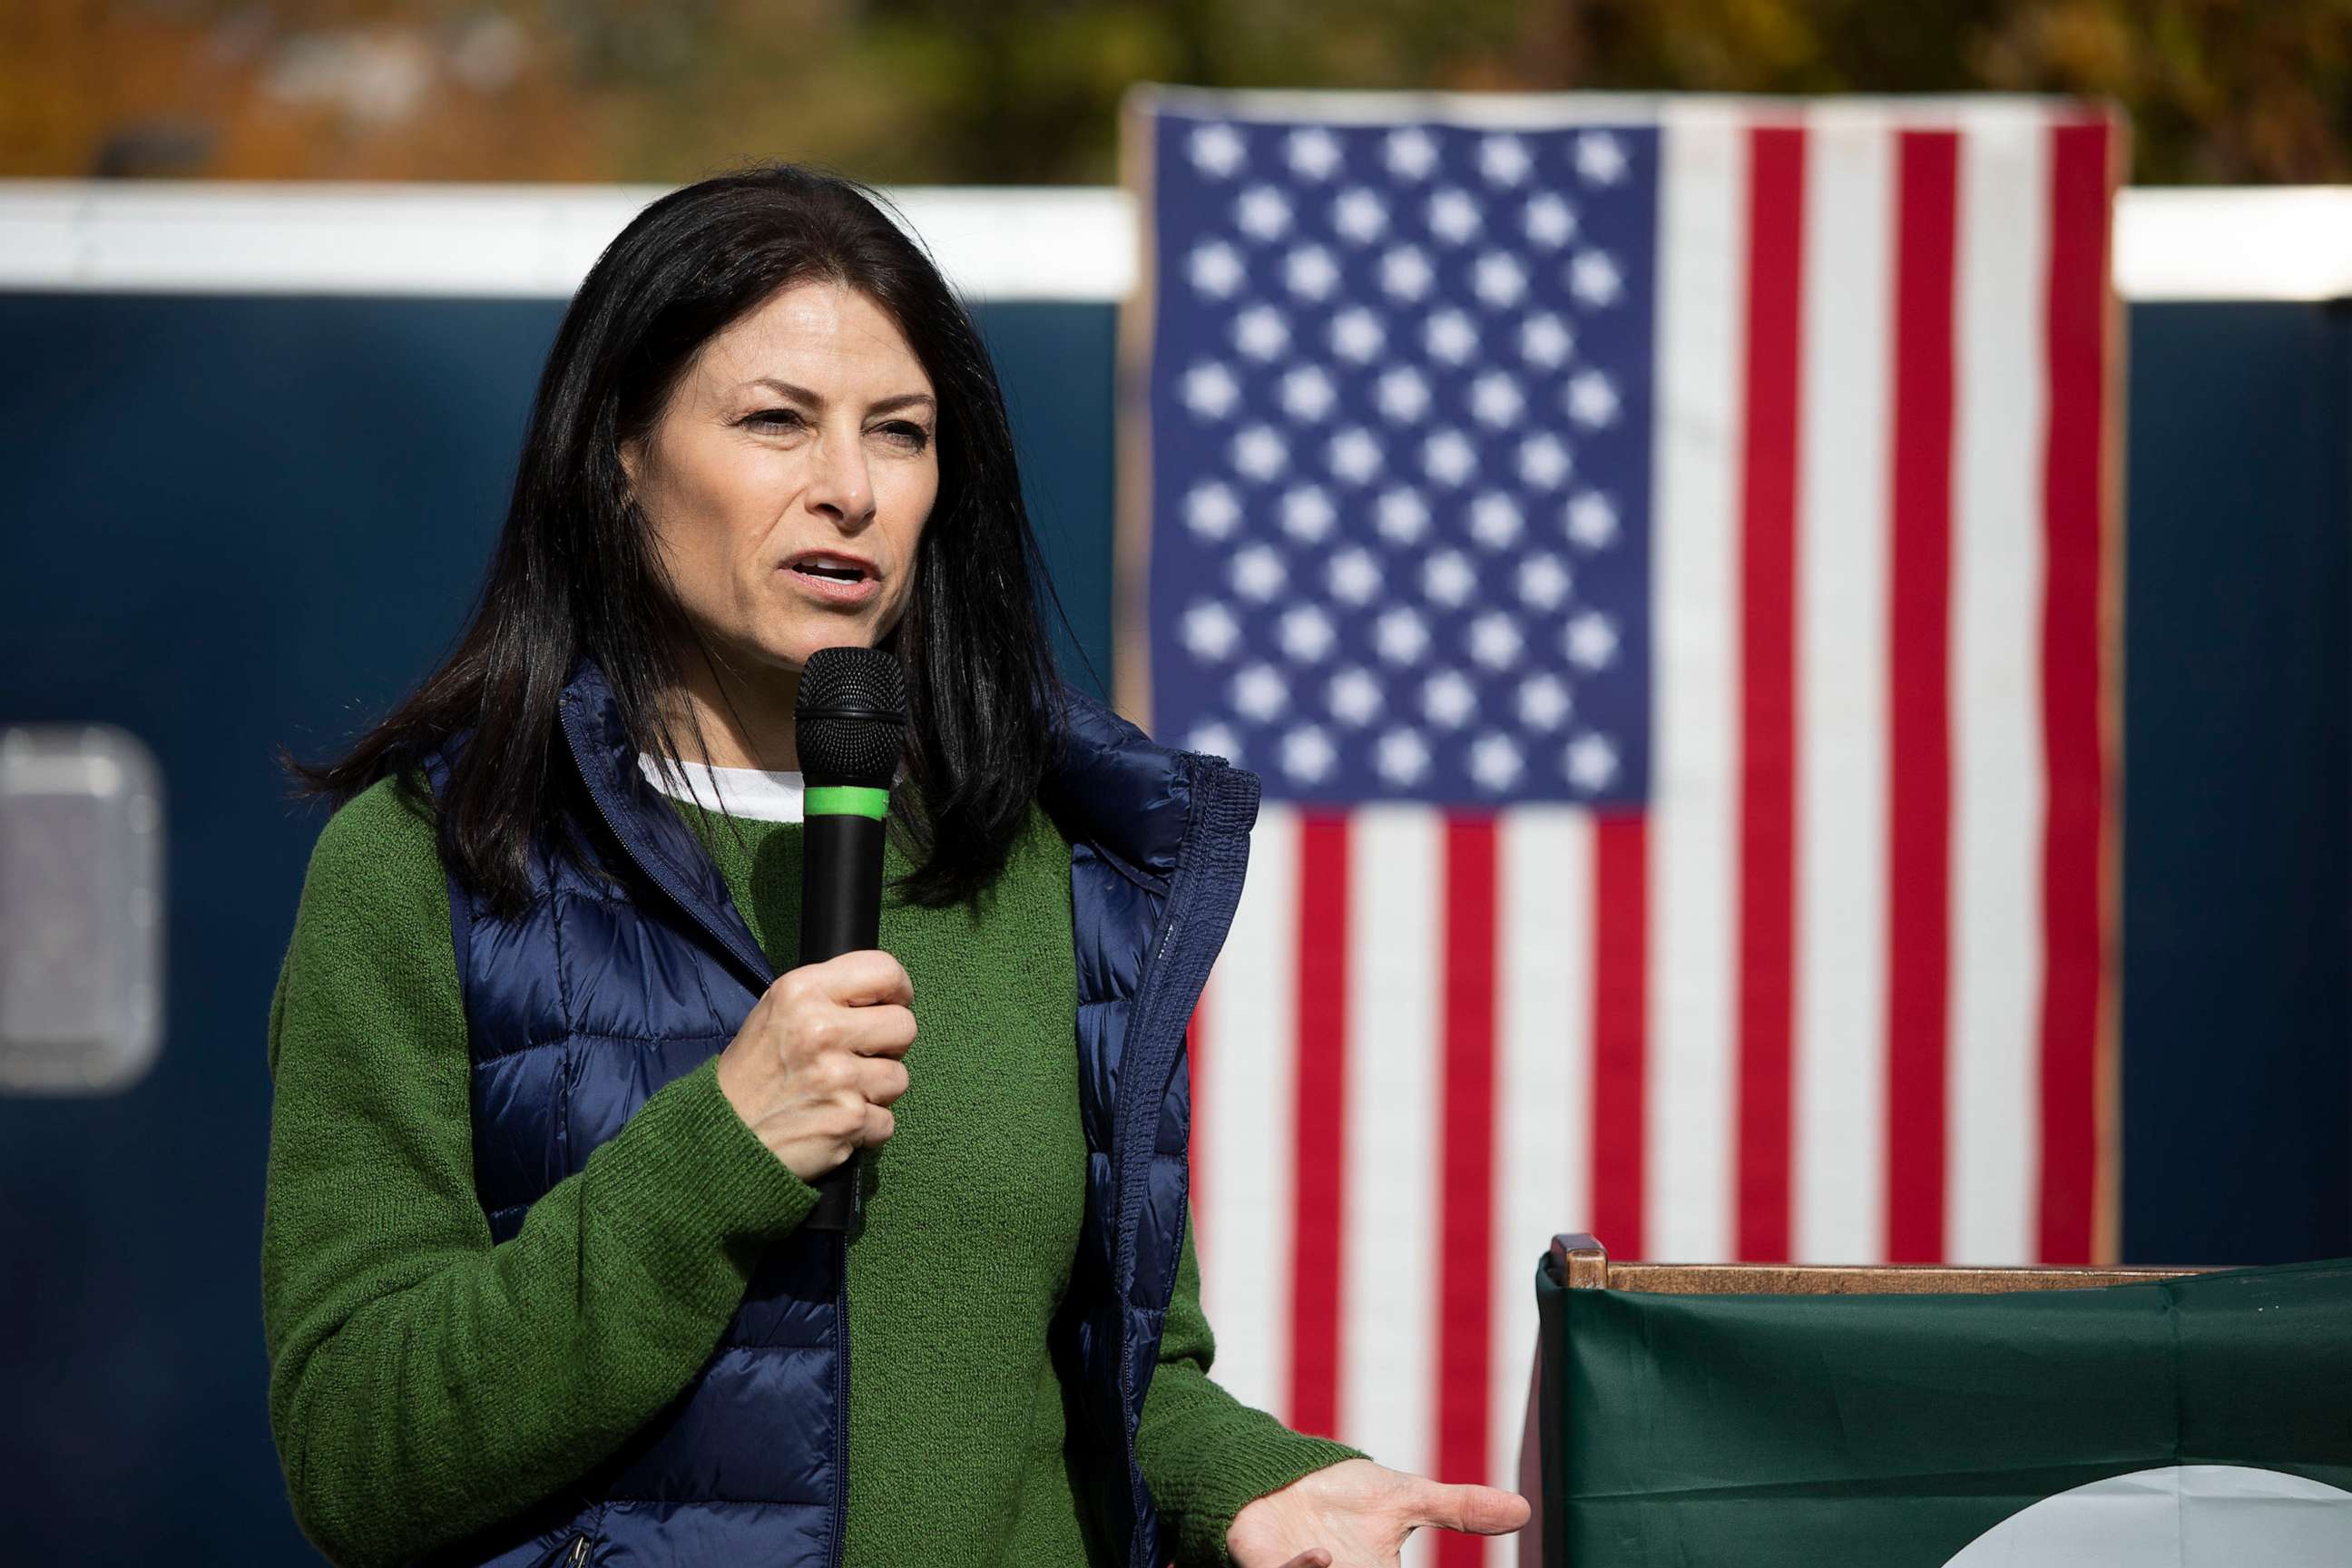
(847, 800)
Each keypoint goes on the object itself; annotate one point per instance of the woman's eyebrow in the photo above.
(883, 405)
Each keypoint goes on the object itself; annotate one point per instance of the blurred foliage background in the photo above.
(1027, 91)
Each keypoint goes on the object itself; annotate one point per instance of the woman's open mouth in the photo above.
(833, 578)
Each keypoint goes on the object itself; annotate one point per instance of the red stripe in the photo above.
(1621, 986)
(1196, 1149)
(1320, 1131)
(1768, 715)
(1463, 1267)
(1919, 737)
(2072, 513)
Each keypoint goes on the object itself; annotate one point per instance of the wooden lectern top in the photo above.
(1586, 1265)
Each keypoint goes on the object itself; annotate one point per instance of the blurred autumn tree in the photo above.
(1015, 91)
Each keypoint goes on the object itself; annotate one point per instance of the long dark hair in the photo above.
(575, 574)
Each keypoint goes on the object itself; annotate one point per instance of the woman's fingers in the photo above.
(1480, 1510)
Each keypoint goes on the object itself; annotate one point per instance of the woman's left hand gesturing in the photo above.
(1356, 1514)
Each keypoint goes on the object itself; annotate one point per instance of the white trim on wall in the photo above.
(995, 243)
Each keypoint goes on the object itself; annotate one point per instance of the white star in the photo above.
(1550, 221)
(1211, 510)
(1259, 453)
(1496, 399)
(1263, 213)
(1410, 154)
(1495, 762)
(1593, 277)
(1452, 216)
(1544, 462)
(1499, 279)
(1543, 582)
(1308, 394)
(1402, 395)
(1307, 513)
(1402, 758)
(1495, 639)
(1211, 631)
(1600, 158)
(1356, 334)
(1449, 456)
(1503, 160)
(1259, 692)
(1450, 336)
(1359, 216)
(1447, 577)
(1355, 696)
(1354, 576)
(1307, 755)
(1494, 519)
(1405, 273)
(1309, 272)
(1307, 634)
(1216, 149)
(1447, 699)
(1402, 516)
(1313, 152)
(1591, 762)
(1217, 740)
(1544, 703)
(1590, 641)
(1545, 341)
(1261, 332)
(1210, 391)
(1592, 521)
(1258, 572)
(1215, 269)
(1400, 636)
(1355, 456)
(1592, 400)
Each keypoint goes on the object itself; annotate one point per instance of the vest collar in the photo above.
(647, 826)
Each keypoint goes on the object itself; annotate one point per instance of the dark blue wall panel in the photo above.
(2238, 785)
(228, 524)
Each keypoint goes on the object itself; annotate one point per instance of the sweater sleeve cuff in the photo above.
(1251, 1459)
(688, 1176)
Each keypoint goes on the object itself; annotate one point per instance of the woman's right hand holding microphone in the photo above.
(818, 1065)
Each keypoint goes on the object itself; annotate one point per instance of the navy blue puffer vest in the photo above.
(590, 999)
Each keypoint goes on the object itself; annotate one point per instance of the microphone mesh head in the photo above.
(849, 719)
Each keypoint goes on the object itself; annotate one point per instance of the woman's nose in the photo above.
(839, 483)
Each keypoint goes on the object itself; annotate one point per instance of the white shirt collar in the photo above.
(753, 792)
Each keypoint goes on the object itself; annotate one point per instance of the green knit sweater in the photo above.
(425, 1384)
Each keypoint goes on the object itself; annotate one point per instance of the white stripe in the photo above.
(514, 241)
(1387, 1332)
(1248, 1144)
(1843, 516)
(1997, 792)
(1702, 250)
(1543, 1069)
(2276, 243)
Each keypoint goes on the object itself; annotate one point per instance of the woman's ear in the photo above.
(632, 456)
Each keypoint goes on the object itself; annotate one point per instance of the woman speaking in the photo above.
(550, 1099)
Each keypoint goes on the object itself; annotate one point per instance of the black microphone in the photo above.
(848, 724)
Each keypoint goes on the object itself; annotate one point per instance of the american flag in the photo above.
(1656, 553)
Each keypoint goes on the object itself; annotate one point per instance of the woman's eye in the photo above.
(913, 437)
(774, 419)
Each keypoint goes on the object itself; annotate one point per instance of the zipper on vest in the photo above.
(841, 1399)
